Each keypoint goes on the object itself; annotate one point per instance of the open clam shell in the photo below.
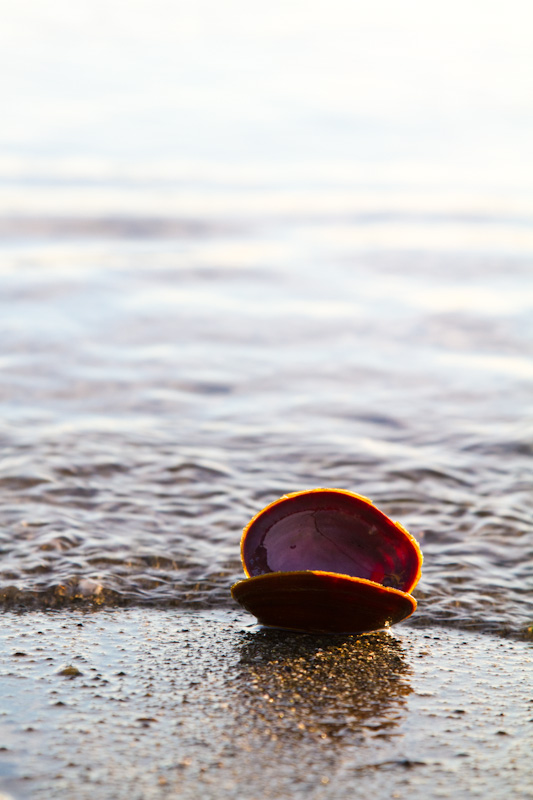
(327, 560)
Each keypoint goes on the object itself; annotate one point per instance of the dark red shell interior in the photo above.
(332, 531)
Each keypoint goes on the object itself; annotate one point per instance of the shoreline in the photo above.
(142, 703)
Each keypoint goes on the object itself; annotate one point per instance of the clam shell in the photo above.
(331, 530)
(327, 560)
(322, 602)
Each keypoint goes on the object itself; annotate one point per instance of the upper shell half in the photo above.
(327, 560)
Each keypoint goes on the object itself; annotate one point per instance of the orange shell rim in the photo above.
(361, 497)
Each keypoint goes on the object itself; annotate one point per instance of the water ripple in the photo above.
(147, 414)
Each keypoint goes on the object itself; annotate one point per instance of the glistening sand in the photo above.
(142, 703)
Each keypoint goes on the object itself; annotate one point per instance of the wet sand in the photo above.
(144, 703)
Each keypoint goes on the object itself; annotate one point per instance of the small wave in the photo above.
(110, 227)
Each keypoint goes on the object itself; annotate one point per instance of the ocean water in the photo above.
(246, 251)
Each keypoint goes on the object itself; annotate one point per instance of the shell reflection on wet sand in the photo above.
(300, 686)
(327, 561)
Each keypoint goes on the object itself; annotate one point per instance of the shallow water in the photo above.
(187, 336)
(155, 397)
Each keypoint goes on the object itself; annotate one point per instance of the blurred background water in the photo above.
(248, 249)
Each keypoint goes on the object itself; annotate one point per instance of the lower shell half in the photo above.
(322, 602)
